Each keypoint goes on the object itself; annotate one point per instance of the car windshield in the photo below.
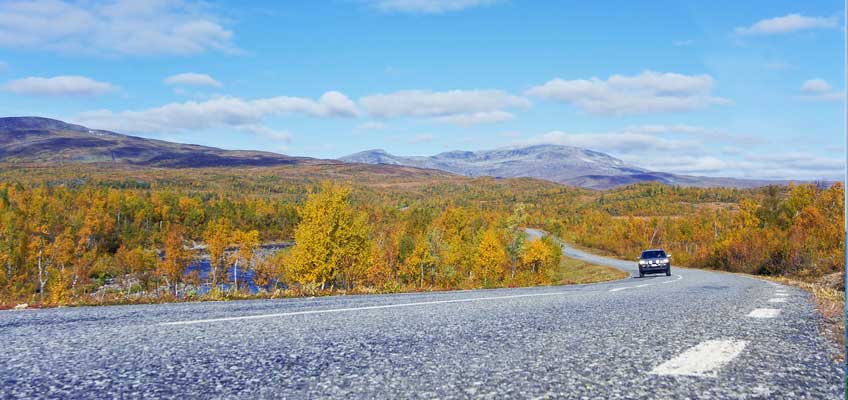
(653, 254)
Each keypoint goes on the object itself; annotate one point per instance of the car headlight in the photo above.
(664, 261)
(642, 262)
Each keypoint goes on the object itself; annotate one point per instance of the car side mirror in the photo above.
(669, 256)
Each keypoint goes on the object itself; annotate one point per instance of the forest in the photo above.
(85, 235)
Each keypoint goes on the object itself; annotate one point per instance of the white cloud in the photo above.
(115, 27)
(688, 155)
(787, 24)
(778, 65)
(422, 139)
(426, 6)
(266, 132)
(659, 128)
(455, 106)
(67, 85)
(192, 79)
(648, 92)
(818, 89)
(232, 112)
(816, 85)
(615, 142)
(371, 126)
(481, 117)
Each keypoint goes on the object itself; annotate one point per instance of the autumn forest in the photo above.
(90, 235)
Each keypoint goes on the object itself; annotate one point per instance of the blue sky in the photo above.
(721, 88)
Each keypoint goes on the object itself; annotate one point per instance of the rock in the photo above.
(22, 306)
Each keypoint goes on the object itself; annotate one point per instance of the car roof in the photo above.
(653, 250)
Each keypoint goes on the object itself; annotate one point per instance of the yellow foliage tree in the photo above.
(491, 257)
(331, 241)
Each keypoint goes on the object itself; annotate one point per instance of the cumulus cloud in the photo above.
(67, 85)
(816, 85)
(787, 24)
(371, 126)
(426, 6)
(482, 117)
(818, 89)
(648, 92)
(115, 27)
(692, 155)
(455, 106)
(231, 112)
(615, 142)
(192, 79)
(422, 138)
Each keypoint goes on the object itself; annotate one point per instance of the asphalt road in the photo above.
(695, 334)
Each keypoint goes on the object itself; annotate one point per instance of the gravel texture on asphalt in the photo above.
(581, 342)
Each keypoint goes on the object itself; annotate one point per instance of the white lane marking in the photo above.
(777, 300)
(764, 313)
(704, 360)
(781, 294)
(340, 310)
(646, 284)
(620, 288)
(679, 277)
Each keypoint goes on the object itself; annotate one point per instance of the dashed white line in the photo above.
(777, 300)
(679, 277)
(703, 360)
(764, 313)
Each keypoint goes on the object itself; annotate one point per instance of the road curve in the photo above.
(696, 334)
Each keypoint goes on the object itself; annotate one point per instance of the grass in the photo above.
(574, 271)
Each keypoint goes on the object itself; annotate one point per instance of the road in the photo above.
(696, 334)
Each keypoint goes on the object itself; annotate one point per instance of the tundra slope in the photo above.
(617, 340)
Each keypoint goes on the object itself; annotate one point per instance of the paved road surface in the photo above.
(695, 334)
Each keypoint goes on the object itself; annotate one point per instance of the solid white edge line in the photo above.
(703, 360)
(339, 310)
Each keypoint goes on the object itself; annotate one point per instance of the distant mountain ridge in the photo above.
(45, 140)
(562, 164)
(37, 140)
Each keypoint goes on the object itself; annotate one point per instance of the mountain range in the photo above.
(44, 140)
(49, 141)
(562, 164)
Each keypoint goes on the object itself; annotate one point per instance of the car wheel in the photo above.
(668, 271)
(641, 274)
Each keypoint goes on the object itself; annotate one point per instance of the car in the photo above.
(654, 261)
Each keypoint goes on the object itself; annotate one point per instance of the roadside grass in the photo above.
(574, 271)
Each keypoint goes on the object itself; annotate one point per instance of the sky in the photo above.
(751, 89)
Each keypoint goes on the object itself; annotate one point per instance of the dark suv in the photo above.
(654, 261)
